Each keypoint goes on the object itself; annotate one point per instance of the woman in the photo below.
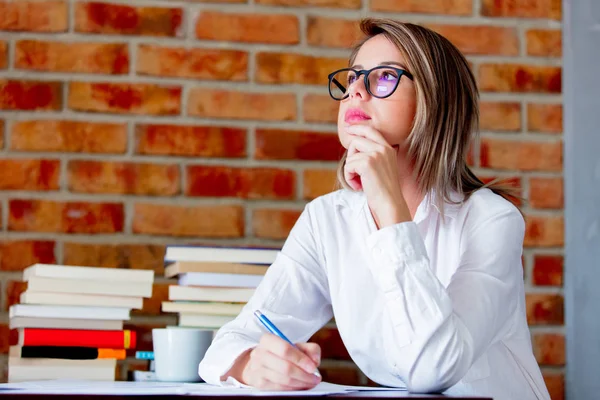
(418, 261)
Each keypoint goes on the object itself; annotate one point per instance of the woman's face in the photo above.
(391, 116)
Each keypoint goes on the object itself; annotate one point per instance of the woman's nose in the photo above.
(358, 89)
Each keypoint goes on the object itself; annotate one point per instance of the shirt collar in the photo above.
(358, 201)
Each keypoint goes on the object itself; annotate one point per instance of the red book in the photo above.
(124, 339)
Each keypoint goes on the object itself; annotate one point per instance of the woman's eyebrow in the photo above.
(359, 66)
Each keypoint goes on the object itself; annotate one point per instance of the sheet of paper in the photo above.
(150, 388)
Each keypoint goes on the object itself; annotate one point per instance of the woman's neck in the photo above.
(409, 186)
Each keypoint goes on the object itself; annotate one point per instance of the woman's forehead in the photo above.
(376, 50)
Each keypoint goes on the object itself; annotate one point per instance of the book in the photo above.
(80, 286)
(181, 267)
(244, 255)
(217, 279)
(125, 339)
(32, 369)
(204, 321)
(68, 312)
(75, 299)
(208, 308)
(213, 294)
(64, 323)
(88, 273)
(66, 352)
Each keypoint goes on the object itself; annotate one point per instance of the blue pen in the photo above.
(273, 329)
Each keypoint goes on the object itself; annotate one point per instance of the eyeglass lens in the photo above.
(382, 82)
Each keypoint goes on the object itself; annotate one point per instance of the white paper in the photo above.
(149, 388)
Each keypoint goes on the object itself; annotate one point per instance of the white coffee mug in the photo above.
(178, 352)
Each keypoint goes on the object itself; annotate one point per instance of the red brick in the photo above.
(332, 32)
(549, 349)
(93, 58)
(547, 270)
(3, 54)
(29, 174)
(106, 18)
(280, 144)
(36, 16)
(219, 103)
(318, 182)
(215, 64)
(544, 309)
(131, 256)
(480, 39)
(545, 118)
(520, 78)
(189, 140)
(123, 178)
(273, 224)
(16, 255)
(295, 68)
(248, 28)
(65, 217)
(521, 155)
(332, 346)
(243, 182)
(30, 95)
(500, 116)
(4, 338)
(320, 108)
(444, 7)
(549, 9)
(544, 42)
(152, 305)
(13, 293)
(544, 231)
(121, 98)
(219, 221)
(1, 133)
(312, 3)
(546, 192)
(69, 136)
(555, 382)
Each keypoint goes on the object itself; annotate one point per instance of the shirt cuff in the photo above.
(220, 358)
(398, 242)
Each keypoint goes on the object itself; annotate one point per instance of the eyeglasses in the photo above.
(384, 79)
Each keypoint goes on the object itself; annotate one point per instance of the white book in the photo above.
(68, 312)
(81, 286)
(204, 321)
(228, 309)
(88, 273)
(193, 293)
(220, 254)
(32, 369)
(74, 299)
(217, 279)
(64, 323)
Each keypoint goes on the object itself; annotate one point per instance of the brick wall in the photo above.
(127, 127)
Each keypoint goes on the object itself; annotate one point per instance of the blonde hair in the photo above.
(447, 111)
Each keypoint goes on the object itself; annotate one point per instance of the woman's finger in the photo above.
(291, 374)
(368, 133)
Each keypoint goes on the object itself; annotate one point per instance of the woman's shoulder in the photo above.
(484, 205)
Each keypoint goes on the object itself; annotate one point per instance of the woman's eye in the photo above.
(351, 80)
(388, 76)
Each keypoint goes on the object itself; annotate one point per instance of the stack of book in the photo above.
(69, 321)
(213, 283)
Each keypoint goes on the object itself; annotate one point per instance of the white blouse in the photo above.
(433, 304)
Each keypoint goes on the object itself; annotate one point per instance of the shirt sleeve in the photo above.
(434, 333)
(293, 294)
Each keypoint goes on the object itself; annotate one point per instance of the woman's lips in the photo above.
(355, 115)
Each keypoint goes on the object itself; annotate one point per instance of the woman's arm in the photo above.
(293, 294)
(434, 334)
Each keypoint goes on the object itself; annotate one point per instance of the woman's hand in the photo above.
(372, 166)
(276, 365)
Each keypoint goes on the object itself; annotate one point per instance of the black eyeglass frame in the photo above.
(365, 72)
